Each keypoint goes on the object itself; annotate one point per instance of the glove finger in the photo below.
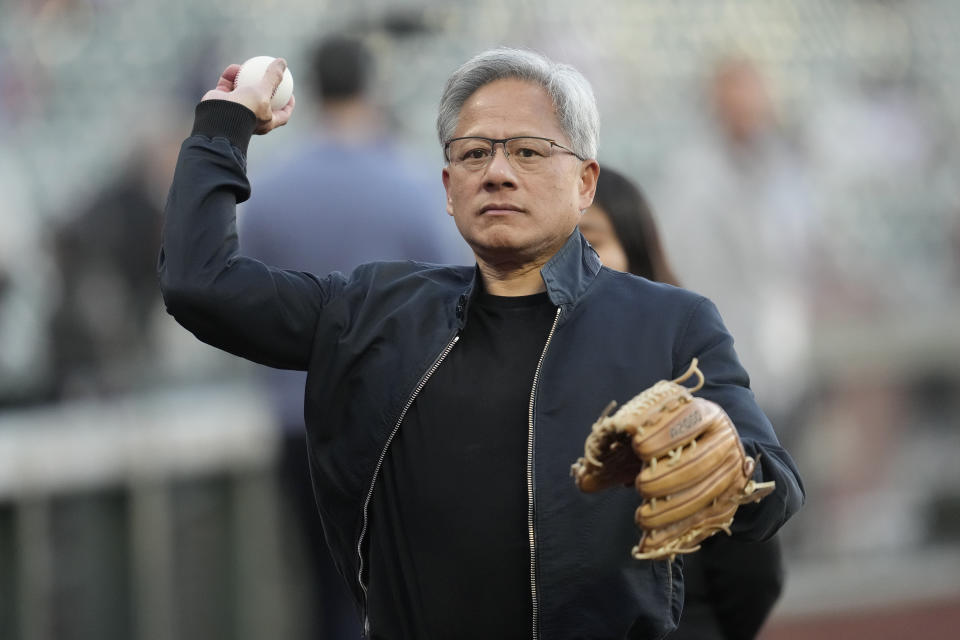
(685, 465)
(655, 513)
(686, 420)
(686, 535)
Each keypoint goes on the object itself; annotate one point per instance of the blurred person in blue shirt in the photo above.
(348, 195)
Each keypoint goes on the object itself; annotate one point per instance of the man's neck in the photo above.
(504, 280)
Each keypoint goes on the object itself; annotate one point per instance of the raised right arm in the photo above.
(231, 302)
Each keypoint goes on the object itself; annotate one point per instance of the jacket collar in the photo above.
(571, 270)
(567, 275)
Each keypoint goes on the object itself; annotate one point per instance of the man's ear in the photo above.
(589, 173)
(446, 186)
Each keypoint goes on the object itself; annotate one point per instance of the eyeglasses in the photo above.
(525, 153)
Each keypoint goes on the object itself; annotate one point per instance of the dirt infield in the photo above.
(918, 620)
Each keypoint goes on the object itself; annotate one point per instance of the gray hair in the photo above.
(570, 92)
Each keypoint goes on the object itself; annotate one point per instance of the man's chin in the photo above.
(498, 243)
(506, 249)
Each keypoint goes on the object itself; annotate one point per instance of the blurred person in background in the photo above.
(348, 195)
(620, 226)
(444, 405)
(730, 586)
(736, 205)
(883, 137)
(102, 332)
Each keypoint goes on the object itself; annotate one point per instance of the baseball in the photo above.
(251, 72)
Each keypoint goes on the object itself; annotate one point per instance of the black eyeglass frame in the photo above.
(495, 141)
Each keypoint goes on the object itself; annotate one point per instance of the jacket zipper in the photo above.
(530, 497)
(376, 471)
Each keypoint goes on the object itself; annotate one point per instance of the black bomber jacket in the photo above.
(370, 341)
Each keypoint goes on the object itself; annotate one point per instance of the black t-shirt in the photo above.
(449, 551)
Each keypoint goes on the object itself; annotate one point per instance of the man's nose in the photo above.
(500, 170)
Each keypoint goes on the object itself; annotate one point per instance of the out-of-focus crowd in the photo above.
(801, 158)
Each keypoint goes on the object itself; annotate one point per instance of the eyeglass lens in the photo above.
(523, 153)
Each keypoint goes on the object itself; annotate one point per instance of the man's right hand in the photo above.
(255, 97)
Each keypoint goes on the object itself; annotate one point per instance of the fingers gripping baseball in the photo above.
(687, 462)
(256, 89)
(227, 79)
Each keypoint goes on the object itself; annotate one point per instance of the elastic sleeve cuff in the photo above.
(225, 119)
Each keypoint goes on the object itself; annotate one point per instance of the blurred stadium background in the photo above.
(137, 498)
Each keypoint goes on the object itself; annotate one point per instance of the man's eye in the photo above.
(528, 152)
(478, 153)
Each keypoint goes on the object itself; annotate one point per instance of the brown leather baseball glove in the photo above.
(685, 458)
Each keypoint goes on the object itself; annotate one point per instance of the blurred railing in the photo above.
(150, 518)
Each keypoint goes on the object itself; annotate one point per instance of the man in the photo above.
(745, 229)
(444, 405)
(345, 196)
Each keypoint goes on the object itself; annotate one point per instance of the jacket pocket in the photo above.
(665, 602)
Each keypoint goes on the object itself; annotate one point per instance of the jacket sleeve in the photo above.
(231, 302)
(727, 384)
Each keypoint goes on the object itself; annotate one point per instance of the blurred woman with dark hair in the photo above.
(730, 585)
(621, 228)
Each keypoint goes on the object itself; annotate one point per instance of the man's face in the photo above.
(741, 101)
(506, 215)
